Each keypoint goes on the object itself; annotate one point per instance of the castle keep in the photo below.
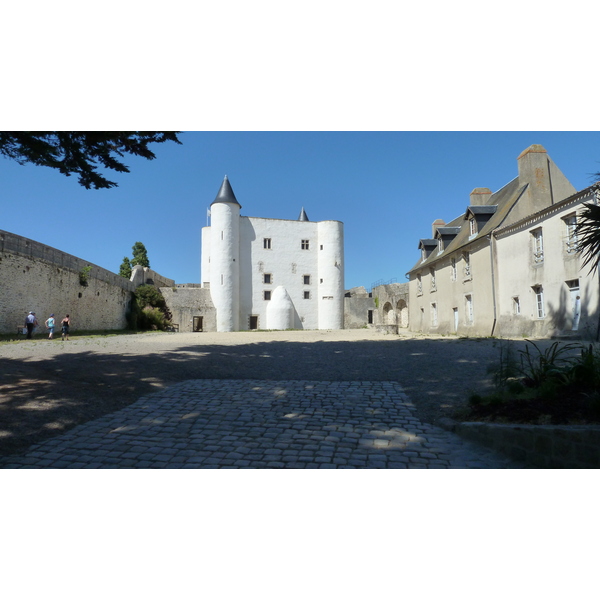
(272, 273)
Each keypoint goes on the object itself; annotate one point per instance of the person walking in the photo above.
(30, 323)
(50, 322)
(65, 324)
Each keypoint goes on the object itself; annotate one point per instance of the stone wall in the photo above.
(358, 305)
(36, 277)
(392, 305)
(146, 276)
(187, 302)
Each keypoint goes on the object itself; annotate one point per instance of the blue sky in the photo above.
(387, 188)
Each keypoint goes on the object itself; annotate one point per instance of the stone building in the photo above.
(508, 265)
(260, 273)
(384, 308)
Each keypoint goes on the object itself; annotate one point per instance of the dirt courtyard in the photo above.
(49, 386)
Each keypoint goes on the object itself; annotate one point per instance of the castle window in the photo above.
(306, 279)
(469, 308)
(321, 246)
(267, 243)
(467, 269)
(516, 305)
(539, 301)
(267, 278)
(305, 244)
(472, 227)
(571, 237)
(307, 295)
(538, 246)
(453, 269)
(434, 314)
(267, 294)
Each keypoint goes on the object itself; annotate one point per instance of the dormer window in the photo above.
(427, 247)
(478, 216)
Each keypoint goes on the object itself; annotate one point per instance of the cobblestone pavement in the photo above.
(262, 424)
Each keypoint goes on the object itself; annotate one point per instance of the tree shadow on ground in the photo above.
(41, 398)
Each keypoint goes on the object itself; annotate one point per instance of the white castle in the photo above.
(272, 273)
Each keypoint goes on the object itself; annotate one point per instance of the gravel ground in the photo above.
(49, 386)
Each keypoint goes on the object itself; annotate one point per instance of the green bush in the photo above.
(148, 310)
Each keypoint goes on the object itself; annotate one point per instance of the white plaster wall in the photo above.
(285, 261)
(205, 256)
(331, 274)
(518, 273)
(451, 293)
(225, 264)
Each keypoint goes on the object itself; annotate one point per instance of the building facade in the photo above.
(508, 265)
(272, 273)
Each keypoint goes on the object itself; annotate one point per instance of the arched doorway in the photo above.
(389, 316)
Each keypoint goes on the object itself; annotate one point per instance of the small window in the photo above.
(516, 305)
(305, 244)
(453, 269)
(419, 285)
(267, 278)
(321, 246)
(467, 268)
(307, 295)
(306, 279)
(539, 302)
(538, 246)
(472, 227)
(434, 314)
(433, 284)
(370, 317)
(469, 308)
(267, 294)
(267, 243)
(320, 281)
(440, 245)
(571, 234)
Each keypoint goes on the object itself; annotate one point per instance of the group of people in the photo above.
(31, 323)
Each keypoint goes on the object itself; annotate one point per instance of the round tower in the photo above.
(331, 274)
(225, 258)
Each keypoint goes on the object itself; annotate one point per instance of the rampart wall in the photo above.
(36, 277)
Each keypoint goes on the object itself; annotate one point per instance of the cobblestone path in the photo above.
(262, 424)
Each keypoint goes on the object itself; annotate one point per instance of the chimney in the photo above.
(480, 196)
(534, 170)
(437, 223)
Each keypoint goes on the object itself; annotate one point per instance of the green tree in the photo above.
(140, 255)
(81, 152)
(125, 270)
(588, 236)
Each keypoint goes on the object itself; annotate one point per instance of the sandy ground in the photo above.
(49, 386)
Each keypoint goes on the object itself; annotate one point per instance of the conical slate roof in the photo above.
(303, 216)
(226, 194)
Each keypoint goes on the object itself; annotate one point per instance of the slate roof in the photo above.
(504, 200)
(226, 194)
(303, 216)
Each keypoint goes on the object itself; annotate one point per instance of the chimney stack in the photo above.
(480, 196)
(437, 223)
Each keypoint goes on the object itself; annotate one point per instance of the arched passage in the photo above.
(389, 316)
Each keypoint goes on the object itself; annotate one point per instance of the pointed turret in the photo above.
(303, 216)
(226, 194)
